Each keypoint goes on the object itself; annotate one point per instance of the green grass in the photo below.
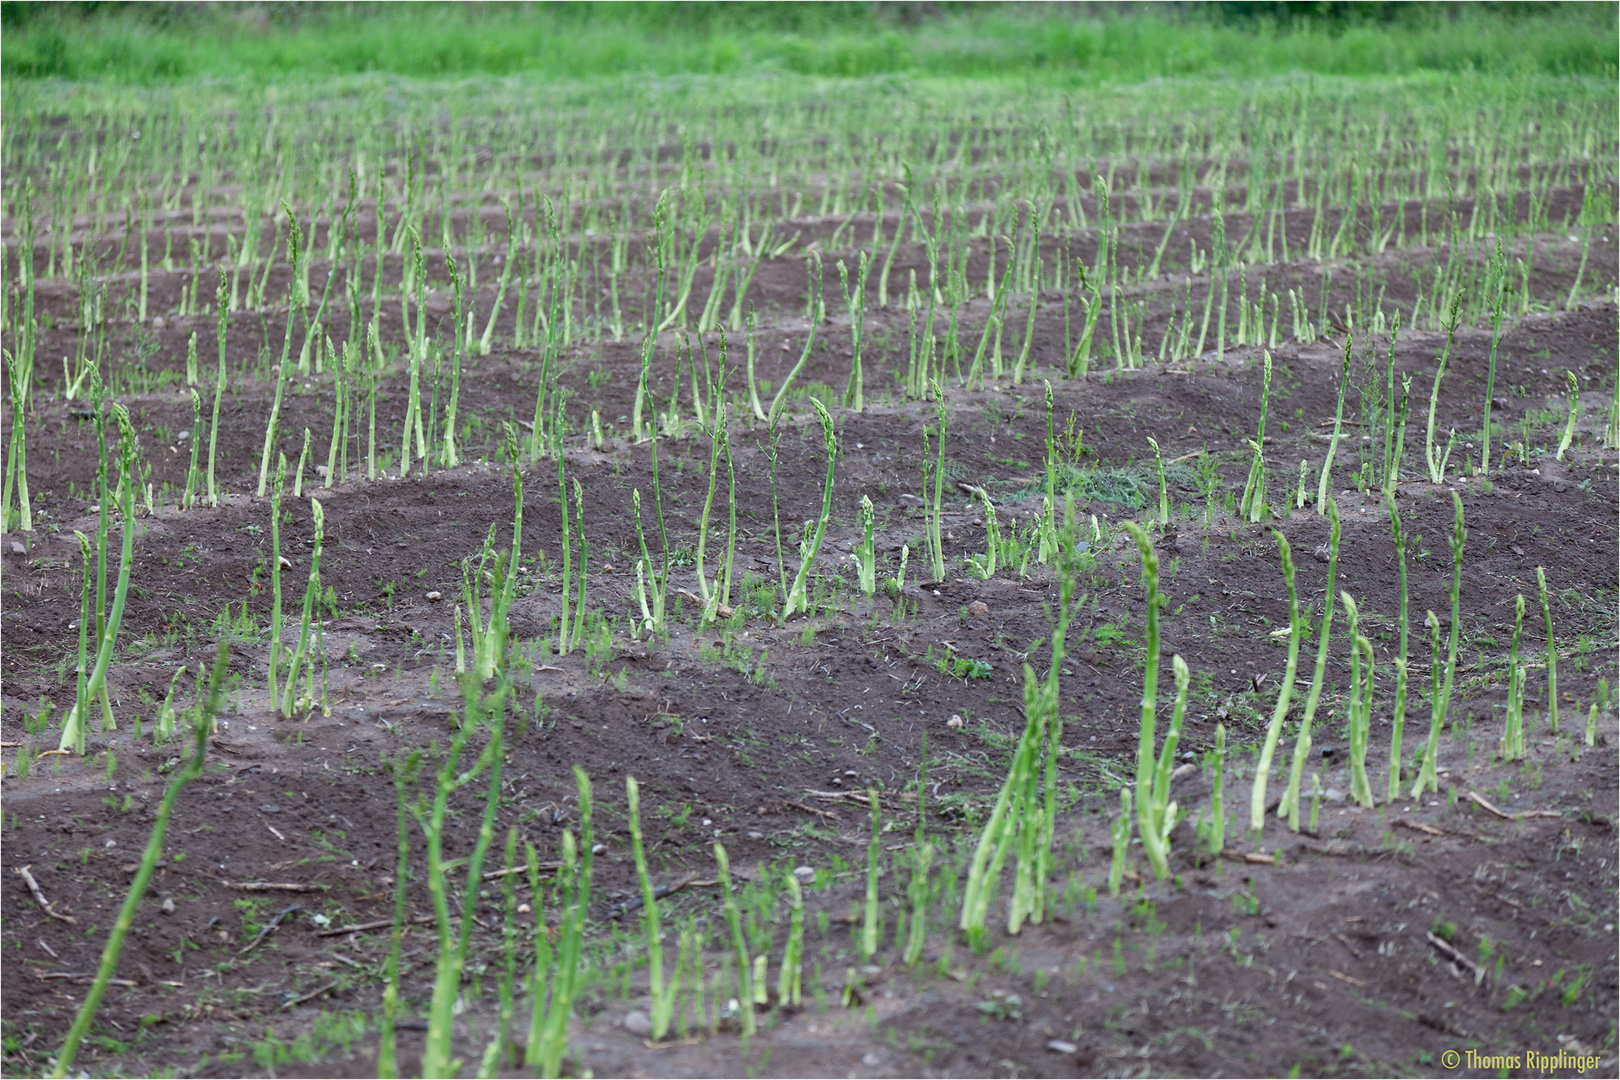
(164, 43)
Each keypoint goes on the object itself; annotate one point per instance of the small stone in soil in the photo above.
(435, 595)
(167, 907)
(804, 873)
(1059, 1046)
(637, 1024)
(978, 607)
(954, 722)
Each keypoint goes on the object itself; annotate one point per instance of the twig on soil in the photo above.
(1520, 816)
(270, 926)
(1351, 979)
(312, 994)
(1482, 801)
(494, 874)
(1184, 457)
(672, 1044)
(725, 611)
(1456, 957)
(377, 924)
(82, 975)
(39, 897)
(48, 949)
(276, 886)
(811, 810)
(659, 893)
(1342, 940)
(856, 796)
(1418, 826)
(1250, 857)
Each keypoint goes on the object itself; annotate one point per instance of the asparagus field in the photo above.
(884, 576)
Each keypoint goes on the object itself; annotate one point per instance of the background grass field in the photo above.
(1078, 43)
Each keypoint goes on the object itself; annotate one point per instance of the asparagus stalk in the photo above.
(143, 875)
(1289, 806)
(1552, 650)
(72, 733)
(1399, 719)
(1427, 776)
(1268, 750)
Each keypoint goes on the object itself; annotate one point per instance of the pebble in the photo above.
(1061, 1046)
(978, 607)
(1333, 795)
(637, 1024)
(1322, 553)
(435, 595)
(954, 722)
(17, 548)
(167, 907)
(756, 836)
(908, 499)
(804, 873)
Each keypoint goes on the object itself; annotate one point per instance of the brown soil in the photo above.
(1321, 959)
